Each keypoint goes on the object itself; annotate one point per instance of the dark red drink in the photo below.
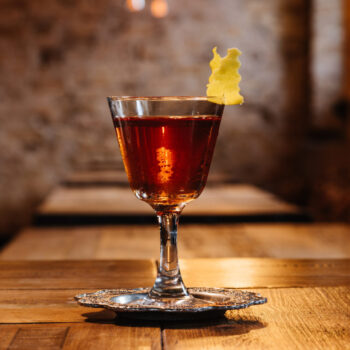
(167, 158)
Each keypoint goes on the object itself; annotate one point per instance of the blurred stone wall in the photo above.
(61, 58)
(328, 150)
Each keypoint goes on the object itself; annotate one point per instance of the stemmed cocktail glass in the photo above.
(167, 144)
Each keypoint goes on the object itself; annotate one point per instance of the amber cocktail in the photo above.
(167, 144)
(167, 158)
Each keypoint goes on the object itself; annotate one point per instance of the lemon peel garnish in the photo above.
(223, 86)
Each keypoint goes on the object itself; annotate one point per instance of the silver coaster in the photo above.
(130, 302)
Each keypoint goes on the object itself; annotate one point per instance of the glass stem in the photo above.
(169, 282)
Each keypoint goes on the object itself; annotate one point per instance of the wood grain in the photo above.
(302, 318)
(47, 306)
(44, 317)
(48, 337)
(76, 274)
(78, 336)
(56, 244)
(195, 241)
(58, 306)
(106, 336)
(293, 318)
(229, 272)
(312, 241)
(228, 199)
(7, 333)
(267, 273)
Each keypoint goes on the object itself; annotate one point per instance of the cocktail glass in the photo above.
(167, 144)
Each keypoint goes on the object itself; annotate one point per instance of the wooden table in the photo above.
(113, 204)
(308, 305)
(287, 240)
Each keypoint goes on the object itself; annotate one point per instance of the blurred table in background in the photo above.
(115, 204)
(87, 219)
(101, 194)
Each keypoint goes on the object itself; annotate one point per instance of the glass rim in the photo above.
(162, 98)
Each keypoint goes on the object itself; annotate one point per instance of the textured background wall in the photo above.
(328, 160)
(327, 67)
(60, 58)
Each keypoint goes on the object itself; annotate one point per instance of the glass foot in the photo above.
(200, 300)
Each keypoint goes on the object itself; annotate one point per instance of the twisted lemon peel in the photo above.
(223, 86)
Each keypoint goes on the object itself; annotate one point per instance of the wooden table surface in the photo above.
(287, 240)
(238, 200)
(308, 299)
(308, 305)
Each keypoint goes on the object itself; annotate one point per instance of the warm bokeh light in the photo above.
(135, 5)
(159, 8)
(165, 161)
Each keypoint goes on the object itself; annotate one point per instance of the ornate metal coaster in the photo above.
(201, 300)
